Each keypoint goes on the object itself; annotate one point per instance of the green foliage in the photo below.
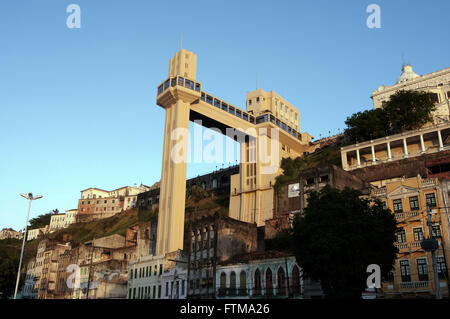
(409, 110)
(405, 110)
(339, 235)
(8, 273)
(40, 221)
(367, 125)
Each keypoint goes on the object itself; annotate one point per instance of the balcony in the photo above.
(407, 216)
(428, 182)
(415, 285)
(409, 246)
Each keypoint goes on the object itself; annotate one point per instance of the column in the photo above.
(389, 151)
(344, 160)
(173, 179)
(358, 159)
(373, 154)
(422, 144)
(441, 145)
(405, 148)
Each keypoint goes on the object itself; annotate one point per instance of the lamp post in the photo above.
(30, 198)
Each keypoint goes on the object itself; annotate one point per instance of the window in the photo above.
(295, 281)
(257, 99)
(243, 283)
(442, 270)
(398, 207)
(281, 282)
(257, 288)
(390, 276)
(436, 97)
(431, 199)
(209, 99)
(238, 113)
(414, 203)
(436, 231)
(203, 96)
(224, 106)
(159, 291)
(401, 235)
(422, 269)
(404, 266)
(231, 109)
(418, 234)
(269, 284)
(167, 288)
(249, 102)
(217, 103)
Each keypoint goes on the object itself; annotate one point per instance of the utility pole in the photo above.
(433, 254)
(30, 198)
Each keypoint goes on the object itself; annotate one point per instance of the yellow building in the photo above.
(413, 271)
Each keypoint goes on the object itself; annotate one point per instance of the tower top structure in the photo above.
(183, 63)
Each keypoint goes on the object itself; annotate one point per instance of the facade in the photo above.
(211, 240)
(98, 204)
(29, 290)
(145, 278)
(413, 271)
(57, 221)
(437, 83)
(270, 274)
(70, 217)
(10, 233)
(37, 232)
(424, 141)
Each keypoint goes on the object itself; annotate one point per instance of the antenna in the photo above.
(256, 80)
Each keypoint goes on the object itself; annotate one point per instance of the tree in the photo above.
(367, 125)
(405, 110)
(409, 110)
(339, 235)
(8, 273)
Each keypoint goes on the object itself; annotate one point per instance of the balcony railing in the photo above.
(179, 81)
(414, 285)
(412, 244)
(428, 182)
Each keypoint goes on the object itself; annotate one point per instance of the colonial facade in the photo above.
(437, 83)
(10, 233)
(413, 271)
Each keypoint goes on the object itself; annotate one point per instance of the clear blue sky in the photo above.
(77, 106)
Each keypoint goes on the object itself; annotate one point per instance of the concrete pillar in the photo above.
(373, 154)
(441, 145)
(344, 160)
(422, 144)
(358, 159)
(173, 179)
(405, 148)
(389, 151)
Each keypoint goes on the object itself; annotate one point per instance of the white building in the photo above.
(270, 274)
(56, 222)
(29, 290)
(437, 83)
(36, 233)
(10, 233)
(145, 278)
(70, 217)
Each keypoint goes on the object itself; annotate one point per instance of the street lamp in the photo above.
(30, 198)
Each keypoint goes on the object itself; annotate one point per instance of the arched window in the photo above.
(243, 284)
(257, 288)
(232, 284)
(223, 284)
(281, 282)
(295, 280)
(269, 283)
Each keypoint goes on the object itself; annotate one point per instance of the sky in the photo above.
(78, 106)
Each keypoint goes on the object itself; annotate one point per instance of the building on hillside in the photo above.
(49, 272)
(437, 83)
(29, 290)
(413, 271)
(37, 232)
(269, 274)
(70, 217)
(57, 221)
(10, 233)
(416, 143)
(292, 198)
(97, 203)
(211, 240)
(145, 278)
